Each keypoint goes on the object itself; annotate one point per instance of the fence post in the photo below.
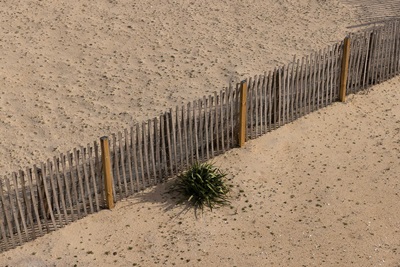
(345, 69)
(108, 177)
(243, 113)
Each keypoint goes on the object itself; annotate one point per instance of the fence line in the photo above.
(66, 188)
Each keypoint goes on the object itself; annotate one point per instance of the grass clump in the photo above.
(203, 185)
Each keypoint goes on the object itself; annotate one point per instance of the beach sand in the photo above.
(73, 71)
(321, 191)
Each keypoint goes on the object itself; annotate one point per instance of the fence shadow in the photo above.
(163, 195)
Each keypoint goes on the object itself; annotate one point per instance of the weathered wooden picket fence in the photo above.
(66, 188)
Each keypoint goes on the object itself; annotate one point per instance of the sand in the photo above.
(321, 191)
(73, 71)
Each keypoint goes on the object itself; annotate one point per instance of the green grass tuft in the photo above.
(203, 185)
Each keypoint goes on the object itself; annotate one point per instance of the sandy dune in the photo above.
(321, 191)
(72, 71)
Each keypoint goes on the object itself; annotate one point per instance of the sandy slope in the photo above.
(72, 71)
(322, 191)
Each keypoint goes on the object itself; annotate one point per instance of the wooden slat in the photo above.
(301, 87)
(206, 126)
(327, 75)
(74, 184)
(42, 200)
(139, 145)
(54, 193)
(391, 59)
(386, 51)
(67, 183)
(331, 73)
(168, 141)
(305, 85)
(190, 132)
(262, 103)
(174, 161)
(117, 182)
(228, 101)
(27, 204)
(200, 130)
(255, 107)
(157, 147)
(14, 212)
(392, 49)
(310, 83)
(216, 128)
(86, 177)
(314, 91)
(369, 80)
(270, 95)
(80, 180)
(129, 159)
(287, 92)
(56, 170)
(185, 135)
(135, 158)
(83, 179)
(260, 108)
(221, 112)
(266, 101)
(374, 60)
(19, 206)
(92, 173)
(212, 134)
(364, 69)
(397, 49)
(61, 167)
(179, 119)
(275, 93)
(48, 196)
(163, 147)
(195, 133)
(99, 175)
(324, 78)
(3, 227)
(285, 89)
(296, 88)
(122, 164)
(350, 77)
(279, 96)
(380, 54)
(233, 114)
(362, 47)
(292, 90)
(7, 212)
(146, 152)
(338, 70)
(319, 78)
(249, 111)
(150, 127)
(34, 201)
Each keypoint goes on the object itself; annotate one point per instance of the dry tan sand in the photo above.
(73, 71)
(321, 191)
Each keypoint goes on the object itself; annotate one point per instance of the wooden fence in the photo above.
(66, 188)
